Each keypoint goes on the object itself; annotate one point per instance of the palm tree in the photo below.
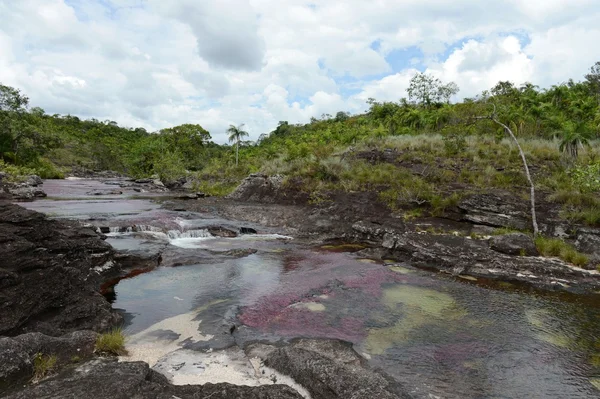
(574, 135)
(236, 133)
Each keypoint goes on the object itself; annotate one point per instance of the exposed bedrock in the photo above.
(50, 273)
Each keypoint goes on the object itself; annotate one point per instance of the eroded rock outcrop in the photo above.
(463, 255)
(329, 369)
(49, 275)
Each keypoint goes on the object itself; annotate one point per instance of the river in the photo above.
(438, 335)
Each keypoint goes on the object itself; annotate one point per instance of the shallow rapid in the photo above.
(437, 335)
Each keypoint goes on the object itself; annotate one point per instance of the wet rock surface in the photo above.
(105, 379)
(49, 275)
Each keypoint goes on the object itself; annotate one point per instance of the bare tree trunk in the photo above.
(237, 147)
(532, 188)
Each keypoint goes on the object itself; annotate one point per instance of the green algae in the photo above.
(544, 331)
(465, 277)
(367, 260)
(418, 307)
(401, 270)
(595, 382)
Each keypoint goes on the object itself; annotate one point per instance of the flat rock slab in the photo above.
(105, 379)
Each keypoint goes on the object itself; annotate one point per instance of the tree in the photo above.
(188, 140)
(593, 80)
(573, 136)
(494, 117)
(236, 133)
(13, 106)
(427, 90)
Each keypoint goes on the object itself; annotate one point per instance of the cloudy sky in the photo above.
(159, 63)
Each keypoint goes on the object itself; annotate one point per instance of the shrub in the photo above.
(15, 174)
(586, 178)
(43, 365)
(111, 343)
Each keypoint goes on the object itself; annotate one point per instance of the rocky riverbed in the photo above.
(243, 299)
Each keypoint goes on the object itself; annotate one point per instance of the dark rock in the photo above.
(105, 192)
(495, 209)
(106, 379)
(514, 244)
(188, 196)
(220, 231)
(331, 370)
(76, 346)
(267, 189)
(16, 362)
(34, 180)
(144, 181)
(588, 241)
(51, 271)
(247, 230)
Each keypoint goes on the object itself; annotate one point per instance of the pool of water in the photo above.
(437, 335)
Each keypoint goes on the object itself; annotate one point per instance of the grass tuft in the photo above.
(43, 365)
(111, 343)
(558, 248)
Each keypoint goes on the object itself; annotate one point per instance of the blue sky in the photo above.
(156, 64)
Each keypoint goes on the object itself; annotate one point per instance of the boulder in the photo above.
(220, 231)
(26, 193)
(109, 379)
(514, 244)
(34, 180)
(330, 369)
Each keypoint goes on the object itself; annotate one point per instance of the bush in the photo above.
(47, 170)
(586, 178)
(111, 343)
(43, 365)
(558, 248)
(15, 174)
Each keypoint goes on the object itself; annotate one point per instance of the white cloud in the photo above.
(156, 64)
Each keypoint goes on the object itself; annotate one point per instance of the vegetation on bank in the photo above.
(111, 343)
(421, 153)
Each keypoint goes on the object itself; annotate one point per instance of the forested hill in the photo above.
(558, 127)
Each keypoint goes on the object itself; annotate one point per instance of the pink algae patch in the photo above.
(349, 291)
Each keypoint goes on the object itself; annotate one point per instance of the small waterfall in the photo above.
(201, 233)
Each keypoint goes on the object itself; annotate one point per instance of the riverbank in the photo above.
(483, 236)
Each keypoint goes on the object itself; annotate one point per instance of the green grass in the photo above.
(500, 231)
(43, 365)
(111, 343)
(558, 248)
(589, 216)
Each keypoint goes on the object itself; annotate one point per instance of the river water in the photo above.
(439, 336)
